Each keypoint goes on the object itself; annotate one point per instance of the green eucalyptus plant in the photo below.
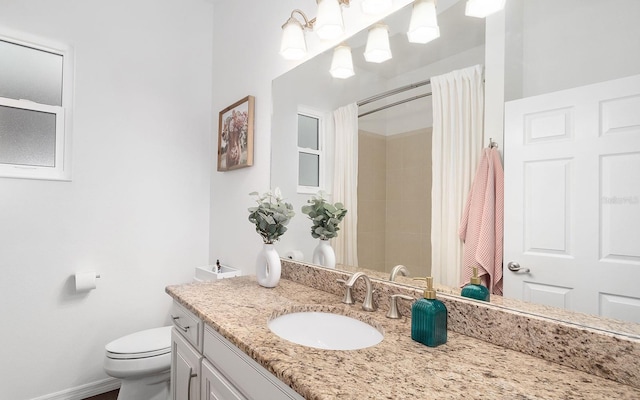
(325, 216)
(271, 215)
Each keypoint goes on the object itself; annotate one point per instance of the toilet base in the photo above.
(153, 387)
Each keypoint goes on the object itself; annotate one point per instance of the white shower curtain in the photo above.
(458, 110)
(345, 182)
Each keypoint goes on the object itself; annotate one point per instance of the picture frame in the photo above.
(235, 135)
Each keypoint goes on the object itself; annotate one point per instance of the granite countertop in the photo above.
(396, 368)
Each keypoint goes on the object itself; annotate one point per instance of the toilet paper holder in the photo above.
(85, 281)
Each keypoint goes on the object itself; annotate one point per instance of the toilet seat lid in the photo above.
(147, 343)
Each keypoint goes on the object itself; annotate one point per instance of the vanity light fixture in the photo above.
(342, 62)
(423, 26)
(376, 7)
(378, 49)
(329, 23)
(483, 8)
(293, 45)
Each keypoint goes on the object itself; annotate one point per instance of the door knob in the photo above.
(515, 267)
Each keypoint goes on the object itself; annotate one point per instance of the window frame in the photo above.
(61, 171)
(321, 153)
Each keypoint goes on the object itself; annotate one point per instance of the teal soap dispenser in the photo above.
(474, 290)
(429, 318)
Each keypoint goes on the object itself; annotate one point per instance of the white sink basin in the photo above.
(325, 330)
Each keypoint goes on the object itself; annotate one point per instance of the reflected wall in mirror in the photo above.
(545, 45)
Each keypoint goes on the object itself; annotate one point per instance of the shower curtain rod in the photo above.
(395, 104)
(392, 92)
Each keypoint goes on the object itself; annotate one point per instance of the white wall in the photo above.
(137, 209)
(581, 42)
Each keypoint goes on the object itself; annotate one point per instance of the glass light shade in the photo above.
(378, 49)
(342, 63)
(293, 45)
(376, 7)
(423, 27)
(483, 8)
(329, 24)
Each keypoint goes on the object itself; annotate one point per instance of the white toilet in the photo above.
(142, 361)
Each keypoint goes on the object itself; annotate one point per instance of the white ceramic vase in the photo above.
(324, 255)
(268, 266)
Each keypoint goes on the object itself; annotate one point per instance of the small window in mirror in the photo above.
(35, 107)
(310, 151)
(308, 173)
(308, 132)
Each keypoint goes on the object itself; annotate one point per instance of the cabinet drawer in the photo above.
(249, 377)
(188, 325)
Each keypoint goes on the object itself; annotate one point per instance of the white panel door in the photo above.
(572, 199)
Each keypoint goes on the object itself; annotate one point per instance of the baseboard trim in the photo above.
(84, 391)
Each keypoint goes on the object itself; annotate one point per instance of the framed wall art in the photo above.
(235, 135)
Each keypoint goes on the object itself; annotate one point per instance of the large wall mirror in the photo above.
(548, 46)
(391, 190)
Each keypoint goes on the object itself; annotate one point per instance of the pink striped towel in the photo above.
(481, 225)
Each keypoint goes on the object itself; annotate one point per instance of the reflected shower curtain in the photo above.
(345, 182)
(458, 117)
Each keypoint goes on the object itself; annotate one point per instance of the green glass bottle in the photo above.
(474, 290)
(429, 318)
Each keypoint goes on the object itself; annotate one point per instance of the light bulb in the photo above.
(483, 8)
(378, 49)
(423, 27)
(293, 45)
(342, 62)
(329, 24)
(376, 7)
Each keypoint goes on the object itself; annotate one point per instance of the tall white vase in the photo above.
(324, 255)
(268, 266)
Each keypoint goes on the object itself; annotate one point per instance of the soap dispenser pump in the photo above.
(474, 290)
(429, 318)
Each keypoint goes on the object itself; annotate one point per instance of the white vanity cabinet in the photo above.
(206, 366)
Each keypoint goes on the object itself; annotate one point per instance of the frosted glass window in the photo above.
(30, 74)
(27, 137)
(308, 129)
(36, 95)
(309, 170)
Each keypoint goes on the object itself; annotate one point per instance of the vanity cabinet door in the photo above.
(244, 373)
(214, 386)
(185, 369)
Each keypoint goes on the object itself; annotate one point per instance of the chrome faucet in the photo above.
(367, 303)
(393, 312)
(398, 269)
